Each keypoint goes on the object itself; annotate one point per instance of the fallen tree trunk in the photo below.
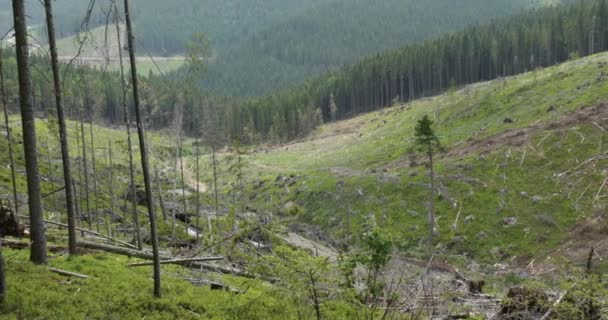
(177, 261)
(117, 250)
(68, 273)
(88, 232)
(21, 245)
(148, 256)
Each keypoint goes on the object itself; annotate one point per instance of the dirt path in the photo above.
(190, 179)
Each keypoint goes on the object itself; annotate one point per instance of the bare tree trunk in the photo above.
(181, 166)
(49, 163)
(110, 190)
(177, 126)
(314, 294)
(80, 191)
(94, 172)
(28, 123)
(2, 277)
(431, 232)
(215, 194)
(160, 194)
(198, 192)
(144, 153)
(127, 122)
(85, 171)
(9, 138)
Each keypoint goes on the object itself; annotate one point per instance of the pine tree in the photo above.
(428, 143)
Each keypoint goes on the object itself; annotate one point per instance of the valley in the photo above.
(270, 159)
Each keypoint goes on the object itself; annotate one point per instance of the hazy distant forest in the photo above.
(290, 159)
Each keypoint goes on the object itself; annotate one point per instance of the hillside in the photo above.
(338, 33)
(254, 40)
(529, 147)
(521, 194)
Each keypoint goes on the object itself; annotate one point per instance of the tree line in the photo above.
(507, 46)
(337, 33)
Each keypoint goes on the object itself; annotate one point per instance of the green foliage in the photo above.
(370, 156)
(426, 139)
(306, 282)
(117, 292)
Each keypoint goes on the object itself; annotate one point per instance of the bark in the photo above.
(143, 150)
(63, 138)
(215, 194)
(79, 207)
(28, 123)
(314, 294)
(2, 277)
(127, 122)
(149, 256)
(94, 172)
(85, 171)
(67, 273)
(160, 195)
(177, 261)
(181, 166)
(9, 138)
(198, 192)
(110, 188)
(431, 231)
(90, 232)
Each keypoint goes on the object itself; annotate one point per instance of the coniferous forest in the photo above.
(283, 159)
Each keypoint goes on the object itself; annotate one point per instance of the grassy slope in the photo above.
(348, 152)
(357, 153)
(118, 292)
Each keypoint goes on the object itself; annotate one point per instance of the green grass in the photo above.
(397, 201)
(352, 175)
(94, 50)
(117, 292)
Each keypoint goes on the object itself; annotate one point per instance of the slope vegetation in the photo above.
(524, 163)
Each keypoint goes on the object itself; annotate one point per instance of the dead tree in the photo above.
(110, 188)
(28, 123)
(177, 126)
(85, 172)
(198, 191)
(79, 170)
(2, 277)
(63, 138)
(9, 139)
(125, 111)
(94, 169)
(143, 150)
(215, 193)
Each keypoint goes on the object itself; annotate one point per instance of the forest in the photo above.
(507, 46)
(405, 160)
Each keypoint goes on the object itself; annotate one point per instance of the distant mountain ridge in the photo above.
(267, 45)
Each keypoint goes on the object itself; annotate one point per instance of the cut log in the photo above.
(177, 261)
(68, 273)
